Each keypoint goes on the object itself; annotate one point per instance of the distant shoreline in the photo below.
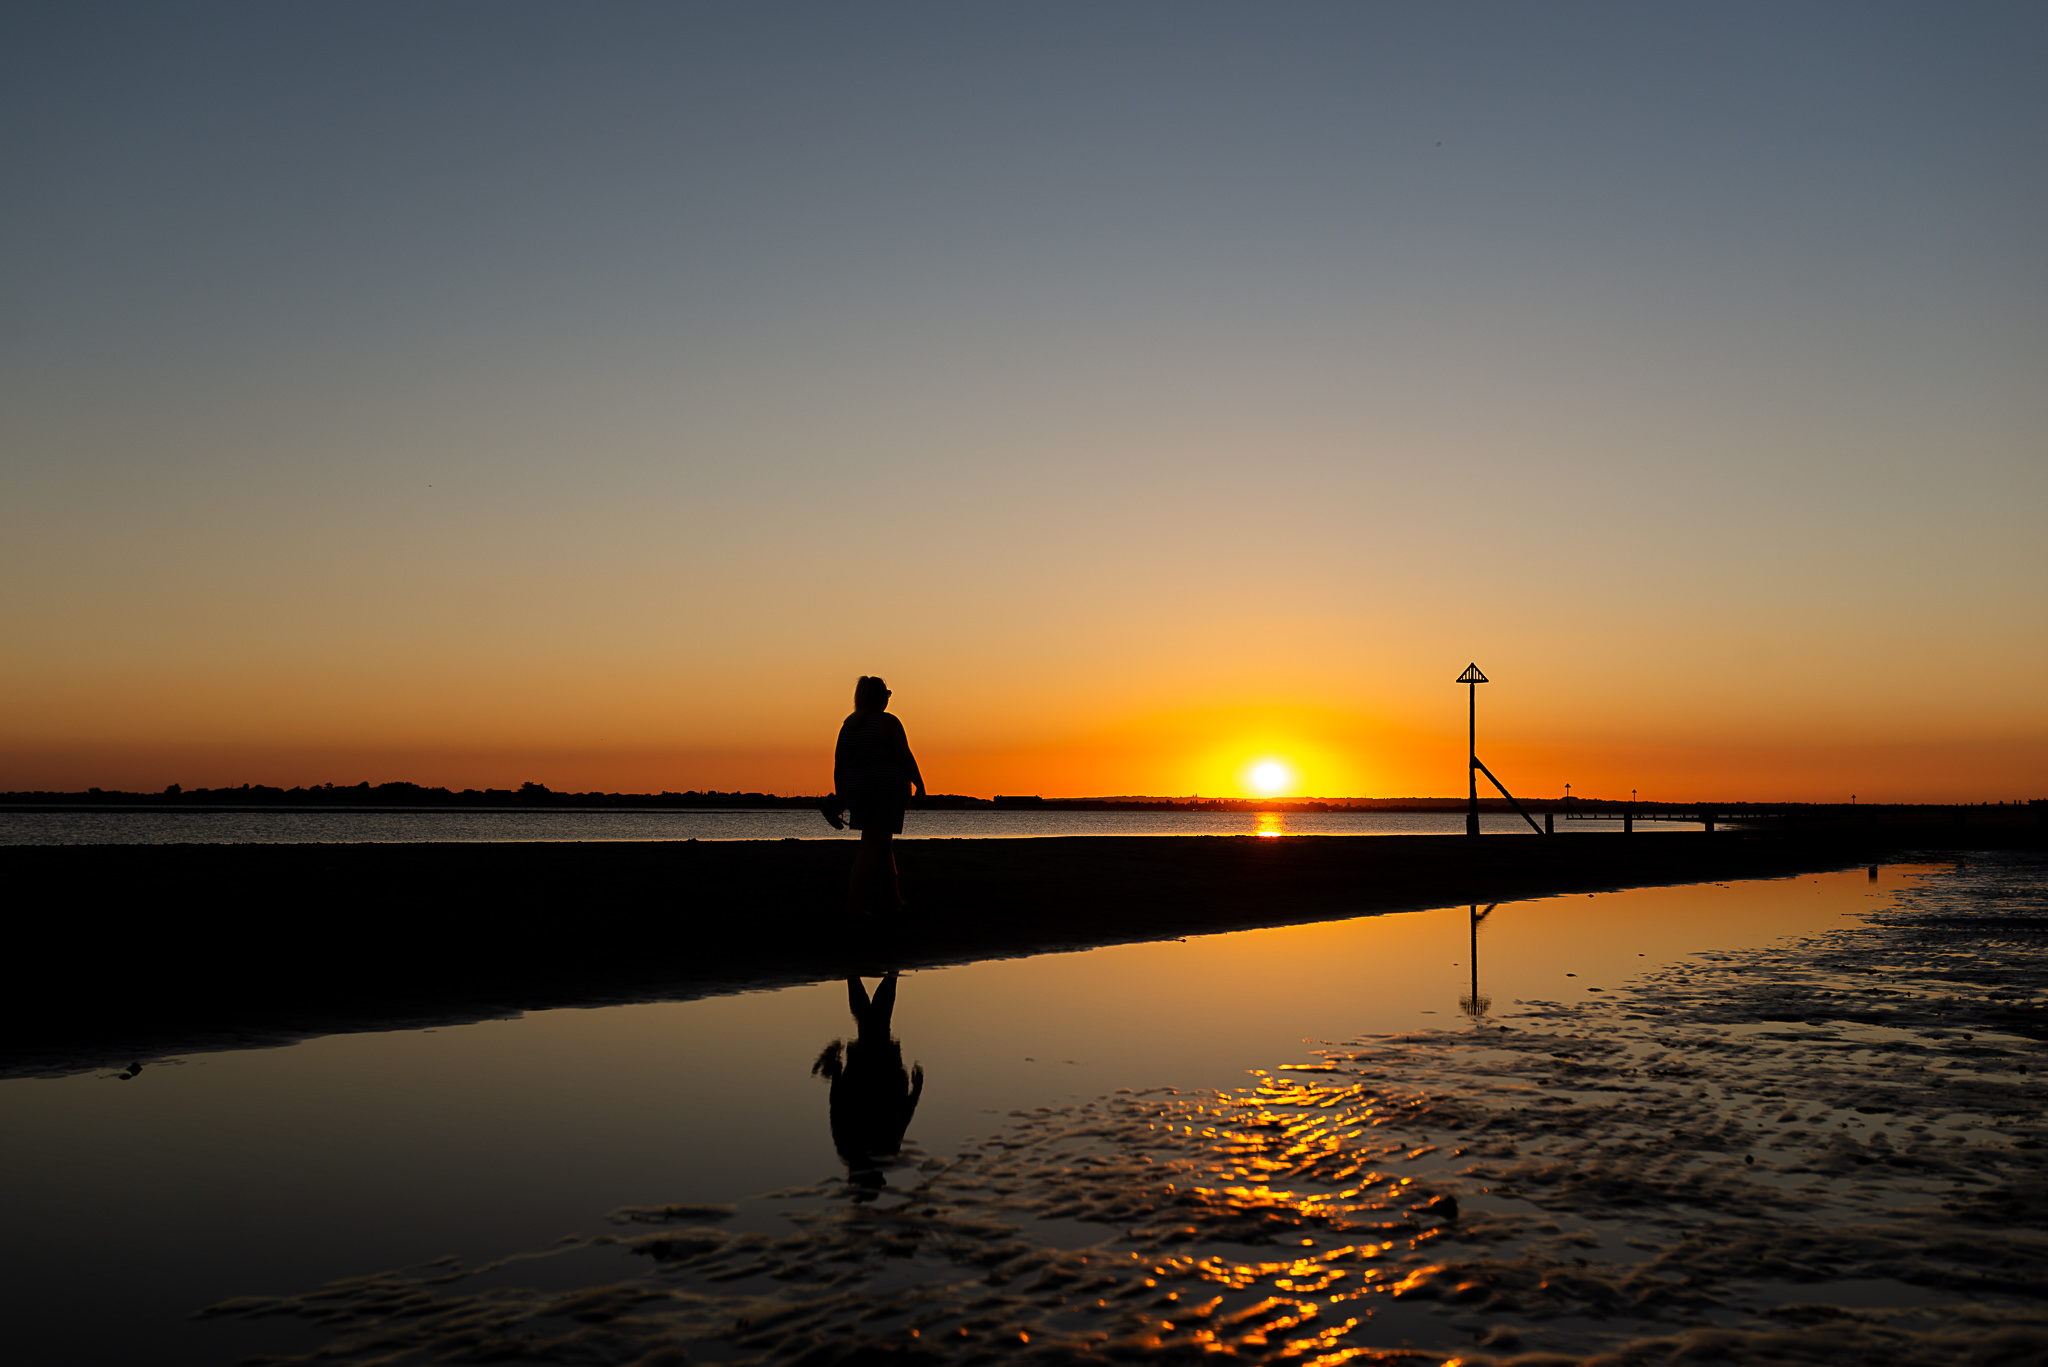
(502, 800)
(506, 802)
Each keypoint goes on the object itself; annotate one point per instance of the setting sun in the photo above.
(1269, 778)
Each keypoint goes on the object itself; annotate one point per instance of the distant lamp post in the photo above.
(1472, 678)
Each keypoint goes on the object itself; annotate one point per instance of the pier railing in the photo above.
(1794, 815)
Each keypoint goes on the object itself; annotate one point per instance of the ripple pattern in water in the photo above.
(1828, 1150)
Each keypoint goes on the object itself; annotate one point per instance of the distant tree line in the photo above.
(413, 795)
(401, 795)
(528, 795)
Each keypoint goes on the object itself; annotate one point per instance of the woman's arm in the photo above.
(909, 760)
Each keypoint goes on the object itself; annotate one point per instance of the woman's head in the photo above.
(870, 694)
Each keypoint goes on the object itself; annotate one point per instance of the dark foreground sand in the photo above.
(1824, 1152)
(124, 952)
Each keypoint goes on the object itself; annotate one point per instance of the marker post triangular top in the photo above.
(1471, 675)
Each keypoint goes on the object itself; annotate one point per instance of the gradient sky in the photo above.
(473, 393)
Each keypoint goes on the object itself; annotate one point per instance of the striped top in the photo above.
(873, 755)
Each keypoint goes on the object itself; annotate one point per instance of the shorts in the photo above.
(877, 811)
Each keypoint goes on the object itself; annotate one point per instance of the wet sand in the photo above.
(129, 952)
(1827, 1150)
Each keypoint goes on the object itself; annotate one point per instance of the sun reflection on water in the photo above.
(1389, 1189)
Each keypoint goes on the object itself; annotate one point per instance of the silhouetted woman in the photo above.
(873, 773)
(873, 1098)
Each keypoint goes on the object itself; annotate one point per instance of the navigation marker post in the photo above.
(1472, 678)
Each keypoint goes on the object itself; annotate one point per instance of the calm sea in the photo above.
(347, 827)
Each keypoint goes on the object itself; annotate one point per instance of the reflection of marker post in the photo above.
(1476, 1005)
(1472, 678)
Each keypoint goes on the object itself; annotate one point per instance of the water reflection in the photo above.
(1421, 1187)
(1476, 1004)
(873, 1097)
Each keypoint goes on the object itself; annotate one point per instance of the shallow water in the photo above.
(134, 1202)
(343, 826)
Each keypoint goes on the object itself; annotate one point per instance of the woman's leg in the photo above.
(884, 1005)
(895, 883)
(874, 865)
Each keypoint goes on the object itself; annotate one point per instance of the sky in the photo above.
(473, 394)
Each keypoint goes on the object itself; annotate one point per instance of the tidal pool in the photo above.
(135, 1202)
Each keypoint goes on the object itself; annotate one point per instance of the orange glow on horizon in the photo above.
(971, 738)
(1399, 766)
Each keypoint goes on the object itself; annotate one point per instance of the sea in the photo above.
(115, 827)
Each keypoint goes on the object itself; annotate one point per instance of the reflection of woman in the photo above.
(872, 1097)
(873, 772)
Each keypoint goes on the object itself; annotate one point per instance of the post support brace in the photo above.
(1506, 794)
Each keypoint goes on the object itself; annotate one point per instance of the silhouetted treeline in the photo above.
(412, 795)
(532, 795)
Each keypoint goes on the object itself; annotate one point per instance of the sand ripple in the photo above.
(1826, 1151)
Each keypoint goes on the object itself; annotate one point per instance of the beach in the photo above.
(230, 946)
(1827, 1149)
